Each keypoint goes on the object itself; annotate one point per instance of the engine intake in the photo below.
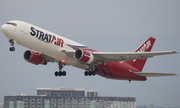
(84, 56)
(34, 57)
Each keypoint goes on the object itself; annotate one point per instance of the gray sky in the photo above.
(114, 25)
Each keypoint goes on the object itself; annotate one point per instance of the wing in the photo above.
(124, 56)
(104, 57)
(154, 74)
(48, 58)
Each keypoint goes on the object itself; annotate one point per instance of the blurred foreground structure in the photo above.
(67, 98)
(1, 105)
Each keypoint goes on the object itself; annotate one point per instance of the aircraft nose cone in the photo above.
(4, 28)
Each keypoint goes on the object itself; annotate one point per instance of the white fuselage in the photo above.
(55, 48)
(43, 41)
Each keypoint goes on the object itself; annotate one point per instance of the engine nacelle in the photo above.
(84, 56)
(34, 57)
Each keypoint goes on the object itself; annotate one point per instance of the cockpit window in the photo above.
(14, 24)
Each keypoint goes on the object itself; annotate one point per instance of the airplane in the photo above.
(45, 46)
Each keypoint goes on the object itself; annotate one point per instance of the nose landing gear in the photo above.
(12, 44)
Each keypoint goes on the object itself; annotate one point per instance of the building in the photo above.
(1, 105)
(67, 98)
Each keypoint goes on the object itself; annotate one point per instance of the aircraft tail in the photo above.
(145, 47)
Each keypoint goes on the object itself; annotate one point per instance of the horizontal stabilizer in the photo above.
(154, 74)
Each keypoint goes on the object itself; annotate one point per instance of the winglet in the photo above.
(174, 52)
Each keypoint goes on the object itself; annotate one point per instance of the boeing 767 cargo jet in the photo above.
(45, 46)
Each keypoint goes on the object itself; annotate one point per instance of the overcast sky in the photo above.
(111, 26)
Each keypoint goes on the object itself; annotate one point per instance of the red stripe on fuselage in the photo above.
(101, 71)
(119, 71)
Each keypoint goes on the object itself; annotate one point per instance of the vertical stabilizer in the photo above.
(145, 47)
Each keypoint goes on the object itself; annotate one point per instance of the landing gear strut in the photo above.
(12, 44)
(60, 73)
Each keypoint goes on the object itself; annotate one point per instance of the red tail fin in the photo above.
(145, 47)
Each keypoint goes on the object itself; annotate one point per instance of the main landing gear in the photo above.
(60, 73)
(89, 73)
(12, 44)
(63, 73)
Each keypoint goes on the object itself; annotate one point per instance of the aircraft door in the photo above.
(25, 30)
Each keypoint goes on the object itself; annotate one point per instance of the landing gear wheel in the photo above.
(12, 48)
(56, 73)
(93, 73)
(90, 73)
(64, 73)
(86, 73)
(60, 73)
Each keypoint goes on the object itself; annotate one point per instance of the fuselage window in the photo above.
(14, 24)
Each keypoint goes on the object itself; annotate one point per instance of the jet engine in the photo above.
(34, 57)
(84, 56)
